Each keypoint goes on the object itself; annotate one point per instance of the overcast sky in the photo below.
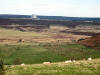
(75, 8)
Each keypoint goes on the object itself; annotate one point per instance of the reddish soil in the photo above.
(93, 41)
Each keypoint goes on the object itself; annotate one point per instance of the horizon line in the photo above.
(51, 15)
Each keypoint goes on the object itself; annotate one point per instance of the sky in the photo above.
(73, 8)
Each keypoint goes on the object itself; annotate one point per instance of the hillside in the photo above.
(15, 54)
(93, 41)
(83, 67)
(51, 17)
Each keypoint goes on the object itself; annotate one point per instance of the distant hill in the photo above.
(14, 16)
(51, 17)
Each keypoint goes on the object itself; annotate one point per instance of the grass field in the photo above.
(14, 33)
(82, 67)
(32, 54)
(9, 36)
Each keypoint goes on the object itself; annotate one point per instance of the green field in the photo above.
(32, 54)
(74, 68)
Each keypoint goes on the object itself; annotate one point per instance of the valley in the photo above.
(25, 46)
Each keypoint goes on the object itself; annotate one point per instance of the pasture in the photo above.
(83, 67)
(33, 54)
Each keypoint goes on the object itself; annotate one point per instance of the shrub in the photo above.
(17, 61)
(81, 39)
(2, 69)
